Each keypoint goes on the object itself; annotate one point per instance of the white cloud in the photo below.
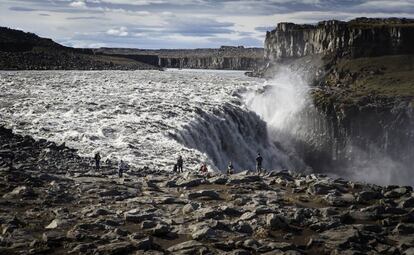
(78, 4)
(133, 2)
(121, 31)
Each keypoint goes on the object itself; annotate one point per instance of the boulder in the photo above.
(203, 233)
(210, 194)
(190, 207)
(274, 221)
(115, 248)
(404, 229)
(219, 180)
(186, 246)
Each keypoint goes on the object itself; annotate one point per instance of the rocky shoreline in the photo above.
(53, 202)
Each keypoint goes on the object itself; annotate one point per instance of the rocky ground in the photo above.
(53, 202)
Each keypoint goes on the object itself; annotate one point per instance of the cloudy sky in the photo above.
(179, 23)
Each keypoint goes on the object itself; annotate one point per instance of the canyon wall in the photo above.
(362, 90)
(361, 37)
(225, 57)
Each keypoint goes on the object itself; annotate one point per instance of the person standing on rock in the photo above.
(203, 168)
(230, 169)
(121, 168)
(259, 161)
(97, 160)
(180, 163)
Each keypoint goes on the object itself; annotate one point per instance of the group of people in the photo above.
(122, 165)
(178, 167)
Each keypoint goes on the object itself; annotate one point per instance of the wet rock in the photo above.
(366, 196)
(137, 216)
(161, 229)
(396, 193)
(53, 237)
(20, 192)
(115, 248)
(100, 212)
(274, 221)
(189, 247)
(244, 228)
(404, 229)
(147, 244)
(340, 237)
(189, 183)
(230, 211)
(191, 207)
(203, 233)
(320, 188)
(209, 213)
(243, 178)
(248, 216)
(146, 224)
(220, 180)
(57, 223)
(82, 248)
(210, 194)
(251, 244)
(407, 203)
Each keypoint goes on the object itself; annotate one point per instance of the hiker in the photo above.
(259, 161)
(180, 164)
(175, 168)
(108, 162)
(230, 169)
(97, 160)
(203, 168)
(121, 168)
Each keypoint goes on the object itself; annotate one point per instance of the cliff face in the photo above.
(226, 63)
(226, 57)
(357, 38)
(363, 93)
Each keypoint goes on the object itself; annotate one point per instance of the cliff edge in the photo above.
(362, 86)
(361, 37)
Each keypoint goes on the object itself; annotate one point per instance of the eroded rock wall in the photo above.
(357, 38)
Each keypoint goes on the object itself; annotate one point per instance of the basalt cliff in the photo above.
(362, 77)
(223, 58)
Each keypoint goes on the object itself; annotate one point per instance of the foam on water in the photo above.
(145, 117)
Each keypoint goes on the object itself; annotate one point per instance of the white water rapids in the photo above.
(145, 117)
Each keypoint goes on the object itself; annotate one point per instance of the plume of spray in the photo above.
(285, 104)
(280, 102)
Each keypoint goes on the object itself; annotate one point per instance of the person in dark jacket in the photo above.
(122, 167)
(259, 161)
(97, 161)
(180, 163)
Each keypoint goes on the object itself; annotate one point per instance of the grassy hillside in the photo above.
(363, 81)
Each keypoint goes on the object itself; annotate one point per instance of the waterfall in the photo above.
(233, 133)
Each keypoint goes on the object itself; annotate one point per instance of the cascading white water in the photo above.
(232, 133)
(280, 103)
(281, 99)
